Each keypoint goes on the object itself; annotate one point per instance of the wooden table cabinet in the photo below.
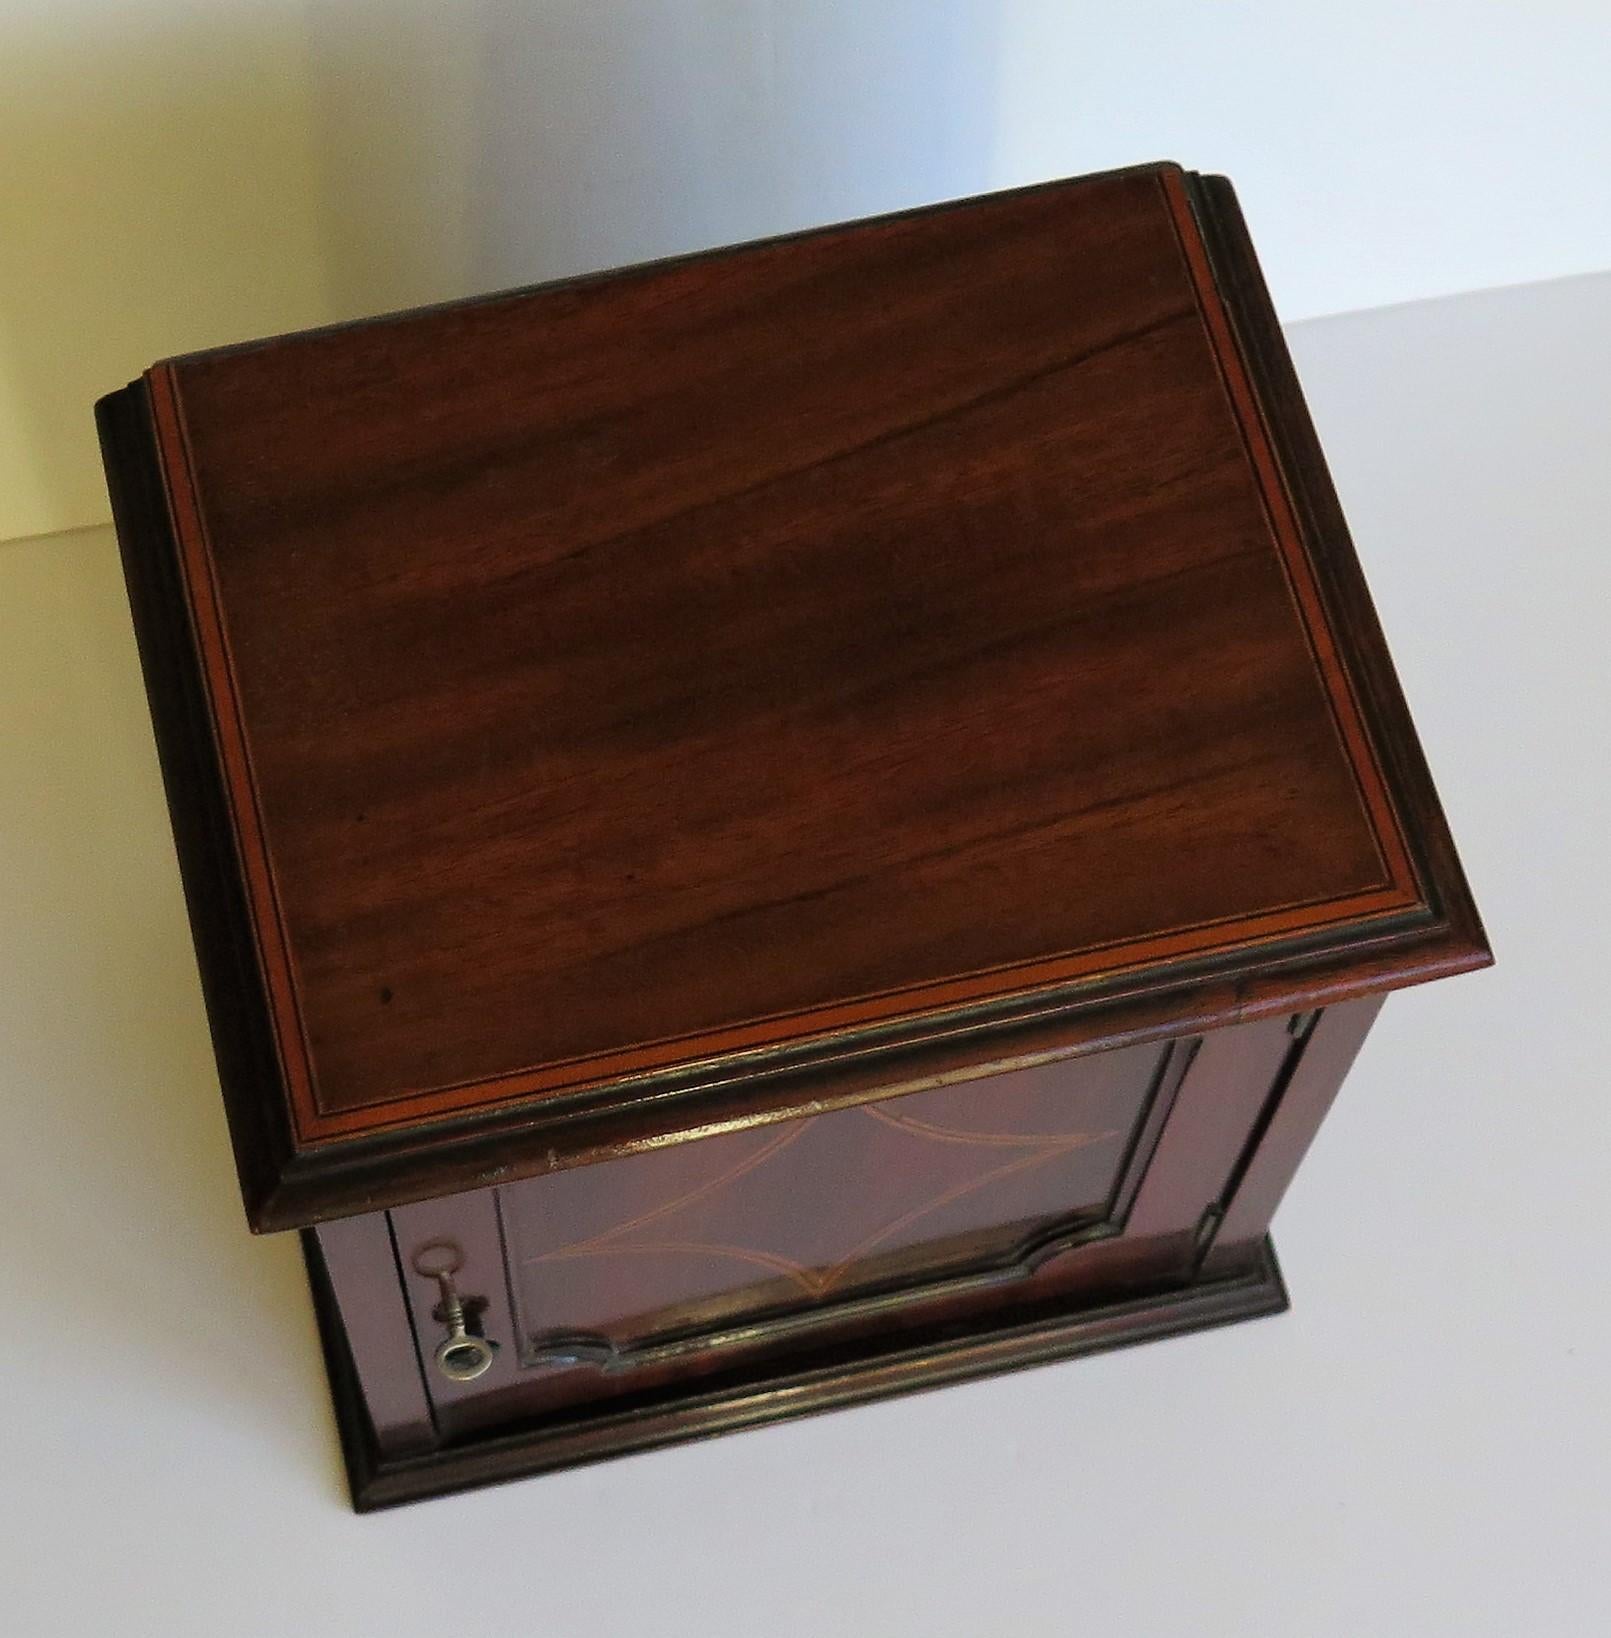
(775, 827)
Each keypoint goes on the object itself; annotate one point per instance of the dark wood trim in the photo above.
(857, 1375)
(1361, 645)
(220, 921)
(193, 565)
(472, 1152)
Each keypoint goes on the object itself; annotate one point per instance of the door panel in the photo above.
(1087, 1175)
(817, 1210)
(613, 1278)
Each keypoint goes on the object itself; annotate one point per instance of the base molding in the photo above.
(377, 1481)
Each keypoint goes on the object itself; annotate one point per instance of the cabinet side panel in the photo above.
(1316, 1079)
(362, 1269)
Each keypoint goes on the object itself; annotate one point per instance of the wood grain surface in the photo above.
(772, 647)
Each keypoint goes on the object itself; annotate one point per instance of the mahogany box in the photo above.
(778, 827)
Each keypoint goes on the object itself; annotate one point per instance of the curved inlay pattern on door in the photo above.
(955, 1185)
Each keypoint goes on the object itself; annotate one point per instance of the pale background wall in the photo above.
(156, 164)
(179, 173)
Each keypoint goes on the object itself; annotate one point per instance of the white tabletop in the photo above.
(1422, 1447)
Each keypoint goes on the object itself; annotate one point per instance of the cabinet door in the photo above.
(1090, 1176)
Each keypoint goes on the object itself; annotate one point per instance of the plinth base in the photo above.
(882, 1370)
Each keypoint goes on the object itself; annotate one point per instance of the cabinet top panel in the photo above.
(613, 701)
